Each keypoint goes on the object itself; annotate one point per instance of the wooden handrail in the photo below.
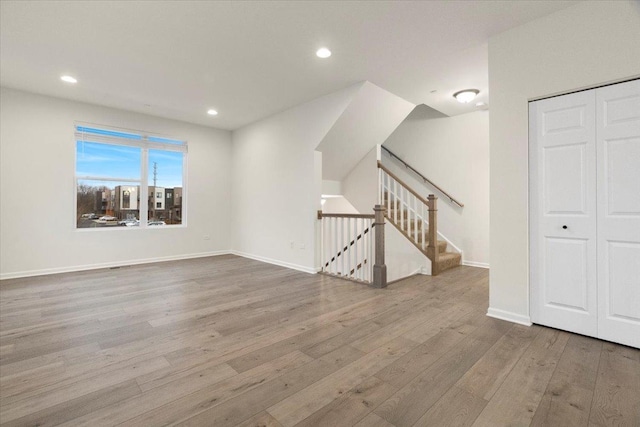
(424, 178)
(402, 183)
(344, 215)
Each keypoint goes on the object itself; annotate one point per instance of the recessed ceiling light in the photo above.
(68, 79)
(323, 52)
(212, 112)
(481, 104)
(466, 96)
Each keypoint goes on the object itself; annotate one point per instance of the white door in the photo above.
(618, 142)
(563, 212)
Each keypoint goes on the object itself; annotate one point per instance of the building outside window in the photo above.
(117, 169)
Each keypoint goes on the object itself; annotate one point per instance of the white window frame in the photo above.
(145, 144)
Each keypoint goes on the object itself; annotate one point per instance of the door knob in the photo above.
(565, 227)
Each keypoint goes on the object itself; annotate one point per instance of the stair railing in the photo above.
(352, 246)
(408, 211)
(424, 178)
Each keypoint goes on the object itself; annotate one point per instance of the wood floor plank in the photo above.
(19, 408)
(351, 406)
(406, 368)
(486, 376)
(263, 419)
(228, 341)
(187, 394)
(517, 399)
(373, 420)
(457, 408)
(567, 400)
(616, 400)
(247, 401)
(410, 403)
(299, 406)
(78, 407)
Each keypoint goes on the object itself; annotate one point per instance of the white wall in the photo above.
(453, 152)
(275, 184)
(360, 188)
(37, 213)
(338, 204)
(579, 47)
(371, 116)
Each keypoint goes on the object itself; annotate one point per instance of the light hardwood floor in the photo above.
(230, 341)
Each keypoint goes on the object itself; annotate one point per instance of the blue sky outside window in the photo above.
(169, 168)
(98, 159)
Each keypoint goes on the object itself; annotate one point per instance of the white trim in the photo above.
(509, 316)
(57, 270)
(476, 264)
(310, 270)
(415, 273)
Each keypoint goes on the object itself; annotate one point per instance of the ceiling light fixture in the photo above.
(212, 112)
(466, 96)
(68, 79)
(481, 104)
(323, 52)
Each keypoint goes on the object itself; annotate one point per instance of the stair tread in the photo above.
(446, 260)
(448, 255)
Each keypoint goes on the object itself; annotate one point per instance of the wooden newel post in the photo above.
(379, 268)
(432, 248)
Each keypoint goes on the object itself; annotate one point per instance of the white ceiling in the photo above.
(249, 60)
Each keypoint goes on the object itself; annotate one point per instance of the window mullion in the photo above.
(144, 188)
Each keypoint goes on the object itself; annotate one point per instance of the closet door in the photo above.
(563, 212)
(618, 147)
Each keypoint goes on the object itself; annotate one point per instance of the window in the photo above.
(126, 175)
(126, 199)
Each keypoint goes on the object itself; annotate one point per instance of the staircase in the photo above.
(413, 231)
(416, 219)
(351, 248)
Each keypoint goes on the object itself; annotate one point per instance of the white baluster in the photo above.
(379, 186)
(370, 251)
(329, 244)
(402, 208)
(355, 249)
(361, 234)
(388, 181)
(348, 250)
(321, 244)
(395, 198)
(423, 227)
(415, 217)
(335, 244)
(341, 247)
(408, 212)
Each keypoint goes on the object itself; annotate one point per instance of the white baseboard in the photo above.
(476, 264)
(304, 269)
(509, 316)
(70, 269)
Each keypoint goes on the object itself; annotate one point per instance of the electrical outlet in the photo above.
(292, 244)
(207, 237)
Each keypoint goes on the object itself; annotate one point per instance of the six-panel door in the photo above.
(563, 213)
(584, 151)
(618, 154)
